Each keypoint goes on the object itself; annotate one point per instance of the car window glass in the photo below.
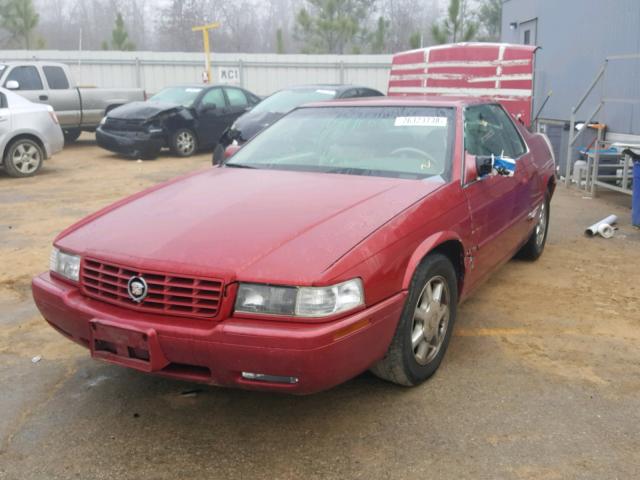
(510, 132)
(401, 142)
(213, 97)
(236, 97)
(368, 92)
(485, 133)
(56, 78)
(27, 76)
(3, 100)
(351, 93)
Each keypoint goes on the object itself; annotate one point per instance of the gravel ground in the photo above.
(541, 380)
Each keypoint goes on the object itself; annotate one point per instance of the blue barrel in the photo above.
(635, 199)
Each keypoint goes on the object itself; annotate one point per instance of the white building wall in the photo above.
(259, 73)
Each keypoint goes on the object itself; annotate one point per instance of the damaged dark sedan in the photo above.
(184, 119)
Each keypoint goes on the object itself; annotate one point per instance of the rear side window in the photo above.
(369, 92)
(56, 78)
(489, 131)
(236, 97)
(27, 77)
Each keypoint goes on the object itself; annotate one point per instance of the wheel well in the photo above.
(454, 251)
(18, 137)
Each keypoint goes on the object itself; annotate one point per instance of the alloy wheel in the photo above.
(430, 320)
(26, 158)
(185, 143)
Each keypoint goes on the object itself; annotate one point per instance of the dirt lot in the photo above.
(542, 378)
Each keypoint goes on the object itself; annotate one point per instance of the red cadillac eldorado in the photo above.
(340, 239)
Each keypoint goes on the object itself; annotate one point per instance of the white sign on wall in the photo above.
(229, 75)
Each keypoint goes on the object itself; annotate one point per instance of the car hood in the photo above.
(251, 123)
(255, 225)
(143, 110)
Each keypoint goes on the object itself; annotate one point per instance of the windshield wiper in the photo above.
(239, 165)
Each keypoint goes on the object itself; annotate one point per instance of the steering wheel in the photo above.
(425, 155)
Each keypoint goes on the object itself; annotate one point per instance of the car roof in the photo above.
(404, 101)
(338, 87)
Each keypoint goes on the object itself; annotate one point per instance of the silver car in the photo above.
(29, 134)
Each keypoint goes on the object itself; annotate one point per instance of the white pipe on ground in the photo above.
(605, 222)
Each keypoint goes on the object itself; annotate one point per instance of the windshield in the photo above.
(402, 142)
(286, 100)
(181, 95)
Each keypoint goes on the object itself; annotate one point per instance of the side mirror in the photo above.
(487, 165)
(12, 85)
(484, 165)
(207, 107)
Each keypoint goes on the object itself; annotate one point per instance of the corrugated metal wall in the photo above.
(260, 73)
(575, 37)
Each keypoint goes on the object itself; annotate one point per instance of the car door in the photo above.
(213, 116)
(30, 83)
(498, 204)
(62, 97)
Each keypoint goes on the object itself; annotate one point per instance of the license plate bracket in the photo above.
(128, 346)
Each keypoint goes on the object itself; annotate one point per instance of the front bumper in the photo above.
(131, 144)
(319, 356)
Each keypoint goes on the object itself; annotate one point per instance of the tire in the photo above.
(184, 142)
(421, 339)
(535, 244)
(71, 134)
(24, 158)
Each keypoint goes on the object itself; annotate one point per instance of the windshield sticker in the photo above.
(193, 90)
(421, 122)
(326, 92)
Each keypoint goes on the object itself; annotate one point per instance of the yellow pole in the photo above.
(205, 40)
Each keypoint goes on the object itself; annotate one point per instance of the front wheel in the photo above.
(425, 326)
(24, 158)
(184, 143)
(538, 239)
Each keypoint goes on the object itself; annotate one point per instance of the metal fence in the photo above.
(260, 73)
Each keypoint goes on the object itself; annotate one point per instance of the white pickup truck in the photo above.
(77, 108)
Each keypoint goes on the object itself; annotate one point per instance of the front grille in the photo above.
(168, 294)
(123, 125)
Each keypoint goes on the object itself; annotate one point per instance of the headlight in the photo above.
(104, 120)
(65, 264)
(300, 301)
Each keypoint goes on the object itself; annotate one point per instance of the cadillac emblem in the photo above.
(137, 289)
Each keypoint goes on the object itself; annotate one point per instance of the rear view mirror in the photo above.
(207, 107)
(12, 85)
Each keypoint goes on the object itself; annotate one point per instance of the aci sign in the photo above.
(228, 75)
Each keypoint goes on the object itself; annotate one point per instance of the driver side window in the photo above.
(213, 97)
(488, 131)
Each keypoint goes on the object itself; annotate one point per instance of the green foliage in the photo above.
(279, 41)
(19, 18)
(415, 40)
(331, 26)
(379, 36)
(490, 19)
(119, 37)
(456, 27)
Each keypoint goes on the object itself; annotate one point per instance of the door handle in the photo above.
(4, 119)
(43, 97)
